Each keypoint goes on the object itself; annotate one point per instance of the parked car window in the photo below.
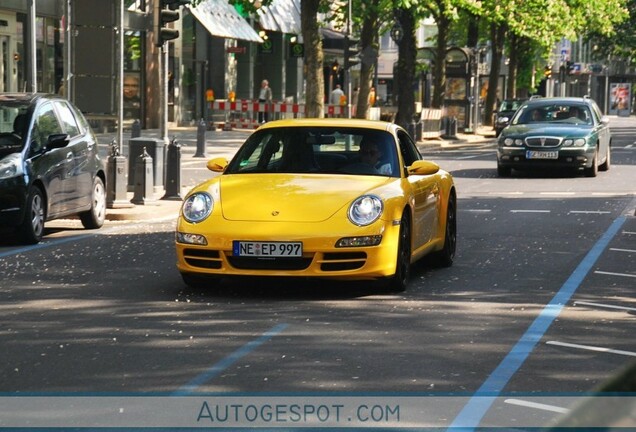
(46, 124)
(69, 124)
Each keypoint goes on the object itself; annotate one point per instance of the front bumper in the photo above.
(320, 257)
(569, 157)
(13, 195)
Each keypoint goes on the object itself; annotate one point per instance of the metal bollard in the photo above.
(411, 129)
(135, 130)
(143, 179)
(116, 195)
(201, 127)
(173, 172)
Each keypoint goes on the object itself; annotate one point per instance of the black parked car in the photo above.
(49, 165)
(504, 113)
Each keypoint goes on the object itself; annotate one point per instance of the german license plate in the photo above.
(532, 154)
(267, 249)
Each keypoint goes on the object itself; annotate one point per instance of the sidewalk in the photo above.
(225, 143)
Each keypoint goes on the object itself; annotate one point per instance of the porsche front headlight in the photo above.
(197, 207)
(365, 210)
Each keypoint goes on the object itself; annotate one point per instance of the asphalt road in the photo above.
(539, 302)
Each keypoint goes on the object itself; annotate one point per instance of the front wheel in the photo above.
(32, 228)
(593, 170)
(446, 256)
(503, 171)
(94, 218)
(605, 166)
(399, 280)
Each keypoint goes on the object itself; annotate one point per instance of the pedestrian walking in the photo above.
(264, 96)
(337, 97)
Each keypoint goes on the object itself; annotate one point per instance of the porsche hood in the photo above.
(292, 198)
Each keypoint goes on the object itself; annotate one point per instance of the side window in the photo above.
(69, 124)
(410, 153)
(45, 124)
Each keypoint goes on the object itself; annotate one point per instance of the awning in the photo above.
(221, 19)
(281, 16)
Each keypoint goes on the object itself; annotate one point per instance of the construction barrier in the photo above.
(431, 122)
(244, 114)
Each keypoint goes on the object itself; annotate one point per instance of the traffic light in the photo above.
(547, 72)
(165, 12)
(351, 52)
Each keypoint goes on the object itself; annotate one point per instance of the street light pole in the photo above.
(163, 97)
(346, 60)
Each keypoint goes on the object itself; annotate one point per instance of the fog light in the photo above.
(359, 241)
(195, 239)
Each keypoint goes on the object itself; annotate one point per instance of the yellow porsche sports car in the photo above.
(324, 198)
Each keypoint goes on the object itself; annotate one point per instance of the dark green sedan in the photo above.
(556, 133)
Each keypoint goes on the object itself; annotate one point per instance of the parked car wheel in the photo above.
(94, 218)
(32, 227)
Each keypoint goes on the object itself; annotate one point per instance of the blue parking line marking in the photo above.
(228, 361)
(470, 416)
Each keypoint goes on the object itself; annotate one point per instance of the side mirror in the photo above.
(605, 120)
(217, 164)
(423, 167)
(57, 141)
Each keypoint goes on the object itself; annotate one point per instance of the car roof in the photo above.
(26, 98)
(560, 100)
(331, 122)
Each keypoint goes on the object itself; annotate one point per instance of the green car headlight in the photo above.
(579, 142)
(197, 207)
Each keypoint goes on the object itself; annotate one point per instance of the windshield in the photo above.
(13, 127)
(555, 113)
(317, 150)
(510, 105)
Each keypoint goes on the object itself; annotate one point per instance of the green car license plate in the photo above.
(533, 154)
(267, 249)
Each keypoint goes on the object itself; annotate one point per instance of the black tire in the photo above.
(605, 166)
(32, 228)
(503, 171)
(94, 218)
(199, 281)
(400, 279)
(446, 256)
(593, 170)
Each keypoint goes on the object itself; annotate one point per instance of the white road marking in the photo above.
(478, 210)
(615, 274)
(588, 212)
(628, 232)
(606, 306)
(537, 405)
(592, 348)
(470, 157)
(623, 250)
(529, 211)
(558, 193)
